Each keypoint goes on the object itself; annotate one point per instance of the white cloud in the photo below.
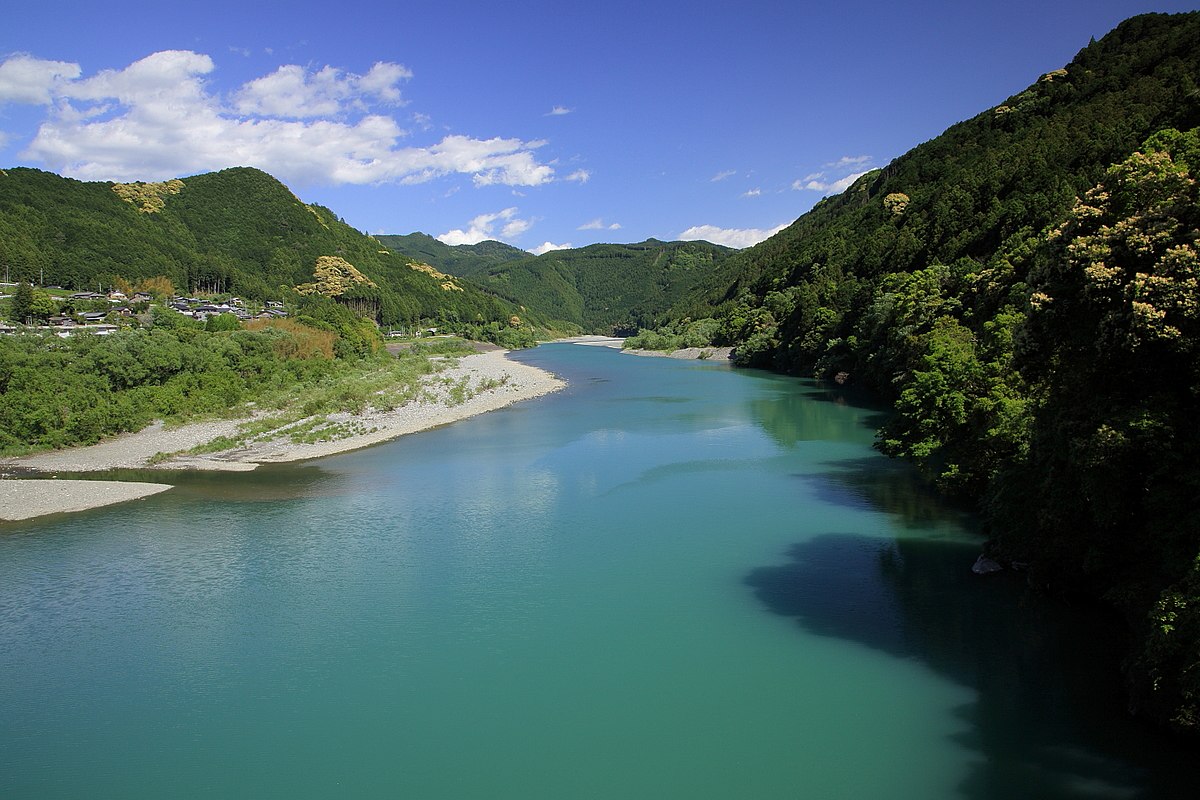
(816, 184)
(167, 79)
(598, 225)
(381, 79)
(580, 175)
(515, 228)
(546, 247)
(730, 237)
(33, 81)
(158, 118)
(559, 111)
(482, 228)
(755, 192)
(292, 92)
(850, 161)
(720, 176)
(828, 182)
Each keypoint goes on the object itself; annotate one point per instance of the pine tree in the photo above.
(22, 302)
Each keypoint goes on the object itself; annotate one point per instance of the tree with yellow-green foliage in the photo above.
(1111, 350)
(334, 277)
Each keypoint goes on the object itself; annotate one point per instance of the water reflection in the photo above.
(789, 415)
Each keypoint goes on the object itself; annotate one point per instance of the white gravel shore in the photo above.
(35, 498)
(714, 354)
(22, 499)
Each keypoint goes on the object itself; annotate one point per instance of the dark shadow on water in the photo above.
(1048, 722)
(269, 482)
(891, 486)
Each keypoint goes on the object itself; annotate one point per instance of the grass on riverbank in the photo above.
(64, 393)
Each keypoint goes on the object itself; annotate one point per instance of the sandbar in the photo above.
(161, 448)
(26, 499)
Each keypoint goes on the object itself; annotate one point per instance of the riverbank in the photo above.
(21, 500)
(719, 354)
(688, 353)
(475, 385)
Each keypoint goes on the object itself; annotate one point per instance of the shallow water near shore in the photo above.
(671, 579)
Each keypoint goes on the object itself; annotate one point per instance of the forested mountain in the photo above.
(464, 260)
(1026, 289)
(601, 288)
(238, 231)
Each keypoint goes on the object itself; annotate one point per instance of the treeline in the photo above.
(1024, 288)
(78, 390)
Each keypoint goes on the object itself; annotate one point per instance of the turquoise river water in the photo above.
(671, 580)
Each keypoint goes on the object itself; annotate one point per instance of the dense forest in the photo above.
(601, 288)
(464, 260)
(1024, 289)
(238, 231)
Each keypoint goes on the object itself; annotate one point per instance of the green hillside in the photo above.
(602, 288)
(238, 231)
(463, 259)
(1025, 289)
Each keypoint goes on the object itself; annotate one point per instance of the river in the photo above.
(672, 579)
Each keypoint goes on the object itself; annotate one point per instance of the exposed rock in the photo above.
(985, 566)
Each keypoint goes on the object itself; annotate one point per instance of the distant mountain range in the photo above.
(601, 288)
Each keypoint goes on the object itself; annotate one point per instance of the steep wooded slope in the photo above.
(1025, 289)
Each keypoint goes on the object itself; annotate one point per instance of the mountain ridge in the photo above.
(237, 230)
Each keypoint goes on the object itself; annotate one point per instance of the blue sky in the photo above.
(540, 124)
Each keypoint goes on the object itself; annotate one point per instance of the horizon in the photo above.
(535, 129)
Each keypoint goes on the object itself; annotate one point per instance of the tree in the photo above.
(22, 302)
(222, 322)
(1112, 352)
(159, 287)
(43, 306)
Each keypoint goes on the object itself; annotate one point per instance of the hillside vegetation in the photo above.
(1024, 289)
(237, 231)
(464, 260)
(601, 288)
